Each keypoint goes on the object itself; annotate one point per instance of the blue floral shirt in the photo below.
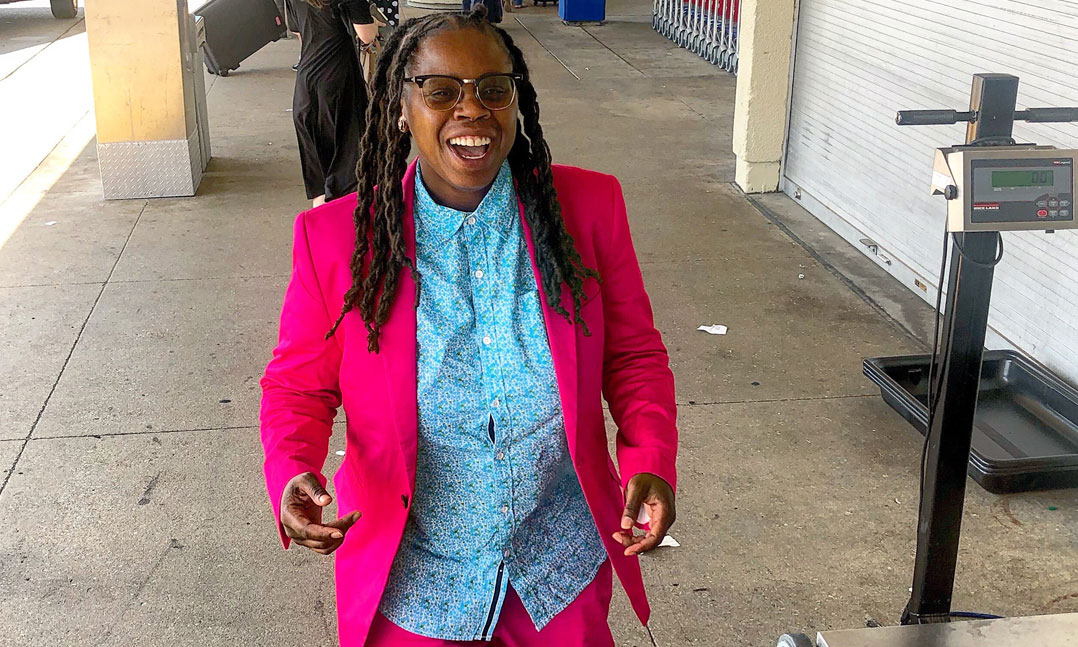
(497, 500)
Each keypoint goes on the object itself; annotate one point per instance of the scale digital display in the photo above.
(1007, 188)
(1019, 189)
(1017, 179)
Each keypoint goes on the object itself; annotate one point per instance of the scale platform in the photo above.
(1059, 630)
(1025, 431)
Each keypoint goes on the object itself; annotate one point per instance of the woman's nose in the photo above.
(469, 106)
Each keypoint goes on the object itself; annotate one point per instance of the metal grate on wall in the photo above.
(706, 27)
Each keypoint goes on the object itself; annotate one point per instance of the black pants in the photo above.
(328, 115)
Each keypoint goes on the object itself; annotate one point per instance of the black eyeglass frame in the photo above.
(423, 78)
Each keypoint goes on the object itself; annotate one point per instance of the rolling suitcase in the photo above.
(235, 29)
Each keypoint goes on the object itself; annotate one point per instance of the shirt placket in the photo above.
(482, 278)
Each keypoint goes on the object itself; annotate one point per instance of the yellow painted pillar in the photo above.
(147, 78)
(765, 50)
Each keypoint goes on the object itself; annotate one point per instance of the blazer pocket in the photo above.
(592, 290)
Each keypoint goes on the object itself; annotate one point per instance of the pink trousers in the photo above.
(582, 624)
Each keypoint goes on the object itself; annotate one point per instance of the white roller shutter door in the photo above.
(856, 63)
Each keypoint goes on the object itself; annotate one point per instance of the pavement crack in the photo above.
(144, 433)
(173, 544)
(320, 607)
(693, 110)
(49, 285)
(854, 396)
(651, 636)
(548, 50)
(609, 49)
(1054, 601)
(71, 352)
(204, 278)
(149, 489)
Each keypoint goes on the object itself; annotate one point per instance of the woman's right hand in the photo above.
(301, 515)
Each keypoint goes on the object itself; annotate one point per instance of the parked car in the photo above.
(60, 8)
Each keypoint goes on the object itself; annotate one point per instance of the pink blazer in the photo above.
(309, 378)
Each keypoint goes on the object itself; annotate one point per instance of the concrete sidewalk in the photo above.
(133, 509)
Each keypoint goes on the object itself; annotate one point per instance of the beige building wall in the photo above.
(764, 54)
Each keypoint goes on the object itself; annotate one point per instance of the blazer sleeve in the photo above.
(637, 382)
(300, 391)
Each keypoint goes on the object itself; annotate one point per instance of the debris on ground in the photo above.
(716, 329)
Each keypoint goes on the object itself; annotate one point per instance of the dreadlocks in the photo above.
(380, 255)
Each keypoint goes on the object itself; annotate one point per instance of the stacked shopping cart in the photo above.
(706, 27)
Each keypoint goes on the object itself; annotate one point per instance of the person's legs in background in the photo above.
(305, 118)
(291, 23)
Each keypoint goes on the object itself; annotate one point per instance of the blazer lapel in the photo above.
(398, 344)
(562, 337)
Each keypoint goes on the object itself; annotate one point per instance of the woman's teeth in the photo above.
(471, 148)
(470, 141)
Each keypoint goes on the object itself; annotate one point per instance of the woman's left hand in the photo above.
(650, 492)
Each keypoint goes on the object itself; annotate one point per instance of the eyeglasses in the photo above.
(494, 91)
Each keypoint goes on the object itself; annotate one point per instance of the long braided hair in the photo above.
(380, 253)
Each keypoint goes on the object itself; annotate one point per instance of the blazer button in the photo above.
(404, 500)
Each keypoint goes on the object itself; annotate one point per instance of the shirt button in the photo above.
(505, 509)
(496, 403)
(488, 341)
(506, 553)
(471, 220)
(479, 274)
(501, 455)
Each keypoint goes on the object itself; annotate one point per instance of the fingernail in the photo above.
(336, 535)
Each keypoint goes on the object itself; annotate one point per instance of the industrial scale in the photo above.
(1023, 439)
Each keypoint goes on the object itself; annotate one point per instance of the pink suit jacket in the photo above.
(309, 378)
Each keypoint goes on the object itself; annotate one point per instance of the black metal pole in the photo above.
(966, 322)
(940, 523)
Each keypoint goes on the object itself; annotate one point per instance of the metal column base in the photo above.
(155, 169)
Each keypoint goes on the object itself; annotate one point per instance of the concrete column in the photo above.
(147, 74)
(764, 54)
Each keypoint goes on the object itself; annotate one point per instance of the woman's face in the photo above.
(457, 175)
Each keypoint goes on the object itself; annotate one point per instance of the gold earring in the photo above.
(402, 124)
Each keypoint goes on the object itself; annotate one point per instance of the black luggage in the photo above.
(235, 29)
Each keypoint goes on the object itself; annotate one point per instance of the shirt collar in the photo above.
(435, 224)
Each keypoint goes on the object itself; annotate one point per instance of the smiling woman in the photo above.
(454, 308)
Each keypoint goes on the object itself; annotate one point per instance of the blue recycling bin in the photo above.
(582, 10)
